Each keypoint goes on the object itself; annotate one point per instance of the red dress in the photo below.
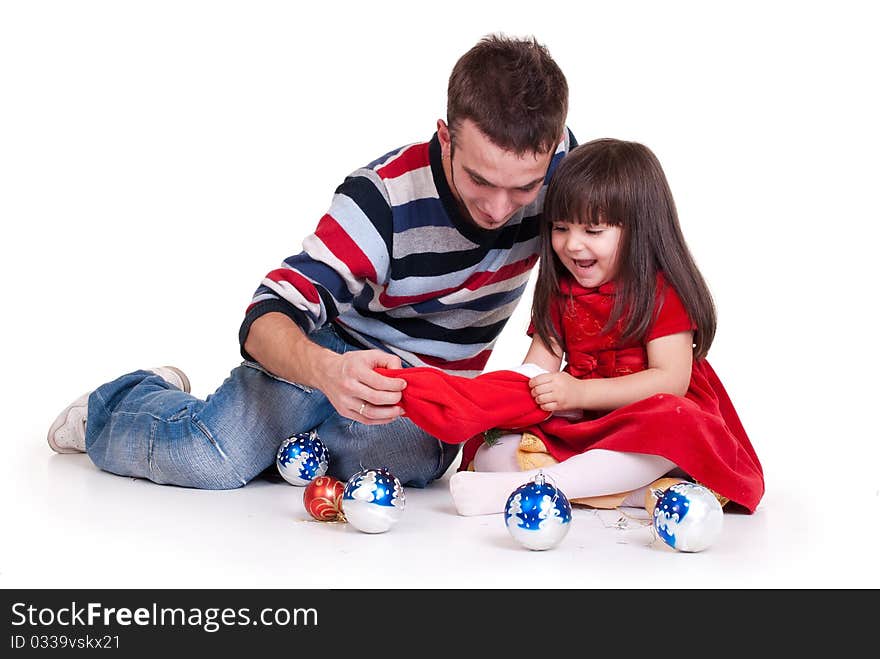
(700, 431)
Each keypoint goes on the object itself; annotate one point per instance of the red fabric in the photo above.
(580, 314)
(454, 408)
(700, 432)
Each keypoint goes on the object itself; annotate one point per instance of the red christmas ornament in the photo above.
(323, 499)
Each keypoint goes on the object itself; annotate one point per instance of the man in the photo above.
(420, 261)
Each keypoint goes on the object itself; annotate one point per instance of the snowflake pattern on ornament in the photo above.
(302, 457)
(537, 514)
(536, 508)
(377, 486)
(688, 517)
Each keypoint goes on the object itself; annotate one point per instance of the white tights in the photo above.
(593, 473)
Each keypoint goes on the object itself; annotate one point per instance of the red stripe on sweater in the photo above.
(481, 279)
(391, 301)
(474, 282)
(412, 158)
(300, 283)
(344, 248)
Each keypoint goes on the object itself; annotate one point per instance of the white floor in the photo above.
(66, 524)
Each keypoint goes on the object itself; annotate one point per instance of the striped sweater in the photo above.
(396, 267)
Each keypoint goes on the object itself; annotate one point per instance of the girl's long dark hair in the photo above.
(622, 184)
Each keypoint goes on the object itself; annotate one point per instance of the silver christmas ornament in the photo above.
(537, 514)
(373, 500)
(301, 458)
(687, 517)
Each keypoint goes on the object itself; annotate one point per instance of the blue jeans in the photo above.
(140, 425)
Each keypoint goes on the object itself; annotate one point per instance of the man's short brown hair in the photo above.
(513, 91)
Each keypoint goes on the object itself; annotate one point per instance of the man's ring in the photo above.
(363, 405)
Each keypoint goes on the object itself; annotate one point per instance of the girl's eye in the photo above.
(559, 227)
(594, 232)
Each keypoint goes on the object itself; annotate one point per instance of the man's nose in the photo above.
(499, 206)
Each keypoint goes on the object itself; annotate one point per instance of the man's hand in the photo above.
(556, 392)
(357, 391)
(348, 380)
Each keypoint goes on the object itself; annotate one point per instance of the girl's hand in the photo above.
(556, 392)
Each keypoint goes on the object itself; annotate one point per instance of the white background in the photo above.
(158, 158)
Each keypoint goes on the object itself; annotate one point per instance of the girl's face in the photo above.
(588, 251)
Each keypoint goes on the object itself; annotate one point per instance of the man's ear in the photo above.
(445, 138)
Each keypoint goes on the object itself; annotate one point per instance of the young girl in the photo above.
(621, 302)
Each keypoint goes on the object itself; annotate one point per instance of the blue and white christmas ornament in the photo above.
(687, 517)
(373, 500)
(302, 457)
(537, 514)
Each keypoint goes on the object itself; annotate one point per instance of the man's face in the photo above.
(489, 183)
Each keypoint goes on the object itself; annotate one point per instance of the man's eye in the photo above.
(479, 181)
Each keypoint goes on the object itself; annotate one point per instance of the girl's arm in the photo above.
(543, 356)
(670, 359)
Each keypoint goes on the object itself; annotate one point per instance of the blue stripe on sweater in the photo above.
(428, 212)
(381, 160)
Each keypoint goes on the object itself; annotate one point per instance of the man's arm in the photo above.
(348, 380)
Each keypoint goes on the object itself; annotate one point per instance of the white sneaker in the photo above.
(174, 376)
(68, 433)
